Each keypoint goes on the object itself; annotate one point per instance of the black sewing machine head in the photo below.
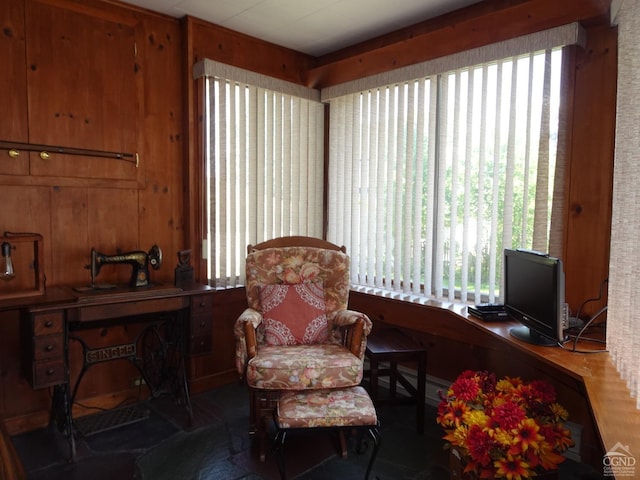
(139, 260)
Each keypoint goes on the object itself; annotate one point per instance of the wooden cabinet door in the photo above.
(82, 89)
(13, 86)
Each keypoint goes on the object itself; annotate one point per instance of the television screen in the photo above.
(534, 296)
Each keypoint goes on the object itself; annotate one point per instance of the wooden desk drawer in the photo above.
(48, 323)
(199, 345)
(48, 347)
(91, 313)
(201, 304)
(201, 324)
(48, 373)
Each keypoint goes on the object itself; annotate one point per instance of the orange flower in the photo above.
(452, 413)
(558, 437)
(525, 436)
(549, 459)
(512, 468)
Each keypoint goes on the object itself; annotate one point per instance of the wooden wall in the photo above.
(86, 74)
(101, 95)
(62, 91)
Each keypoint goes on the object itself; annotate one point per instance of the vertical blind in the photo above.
(623, 327)
(430, 179)
(264, 171)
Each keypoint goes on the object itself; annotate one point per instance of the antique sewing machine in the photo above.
(139, 260)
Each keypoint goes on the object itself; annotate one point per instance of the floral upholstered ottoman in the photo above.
(343, 408)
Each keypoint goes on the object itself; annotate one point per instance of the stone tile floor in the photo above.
(217, 446)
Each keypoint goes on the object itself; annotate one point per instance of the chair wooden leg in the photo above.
(252, 412)
(262, 440)
(262, 404)
(343, 444)
(261, 427)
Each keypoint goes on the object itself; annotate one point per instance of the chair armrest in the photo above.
(358, 327)
(246, 342)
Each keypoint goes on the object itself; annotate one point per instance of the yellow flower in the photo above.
(498, 401)
(504, 385)
(559, 412)
(475, 417)
(458, 436)
(502, 437)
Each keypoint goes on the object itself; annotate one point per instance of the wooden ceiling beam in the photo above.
(481, 24)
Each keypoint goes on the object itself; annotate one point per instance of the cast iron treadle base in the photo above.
(117, 417)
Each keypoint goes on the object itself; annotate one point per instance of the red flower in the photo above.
(508, 415)
(542, 391)
(465, 389)
(479, 444)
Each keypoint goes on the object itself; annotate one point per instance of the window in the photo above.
(430, 179)
(264, 171)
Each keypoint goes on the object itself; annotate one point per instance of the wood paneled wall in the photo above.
(115, 208)
(589, 187)
(78, 202)
(80, 100)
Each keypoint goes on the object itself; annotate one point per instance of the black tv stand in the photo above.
(527, 335)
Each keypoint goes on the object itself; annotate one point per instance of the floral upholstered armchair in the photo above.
(297, 333)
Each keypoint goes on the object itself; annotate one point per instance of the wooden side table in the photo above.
(393, 346)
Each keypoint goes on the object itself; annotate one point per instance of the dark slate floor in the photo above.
(217, 446)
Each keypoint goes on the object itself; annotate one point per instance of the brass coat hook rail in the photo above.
(14, 149)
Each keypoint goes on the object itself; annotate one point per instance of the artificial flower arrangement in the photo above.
(504, 428)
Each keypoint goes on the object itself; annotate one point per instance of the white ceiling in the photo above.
(314, 27)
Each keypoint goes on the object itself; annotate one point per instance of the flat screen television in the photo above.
(534, 296)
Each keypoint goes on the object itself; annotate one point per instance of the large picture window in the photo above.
(430, 179)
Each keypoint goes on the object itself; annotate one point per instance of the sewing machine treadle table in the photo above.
(177, 323)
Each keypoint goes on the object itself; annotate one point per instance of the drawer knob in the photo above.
(203, 323)
(48, 323)
(202, 304)
(51, 371)
(49, 347)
